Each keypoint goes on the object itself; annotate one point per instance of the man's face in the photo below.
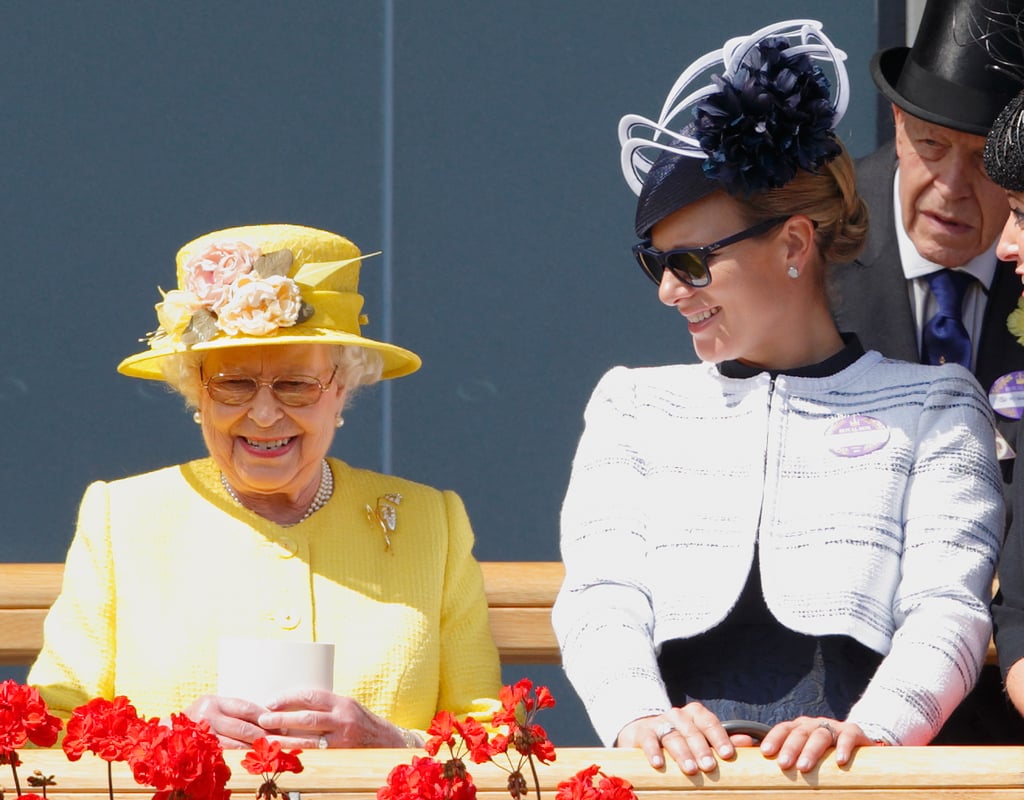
(952, 212)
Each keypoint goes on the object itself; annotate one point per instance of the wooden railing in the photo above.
(876, 773)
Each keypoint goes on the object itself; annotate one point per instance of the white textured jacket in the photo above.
(874, 496)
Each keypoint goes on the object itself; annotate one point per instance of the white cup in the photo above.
(261, 670)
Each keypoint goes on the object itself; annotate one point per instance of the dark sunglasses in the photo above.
(690, 264)
(290, 390)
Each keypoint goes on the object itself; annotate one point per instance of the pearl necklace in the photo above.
(323, 494)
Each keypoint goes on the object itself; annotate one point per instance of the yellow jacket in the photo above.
(164, 564)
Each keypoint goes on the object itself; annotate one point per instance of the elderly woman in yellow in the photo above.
(267, 538)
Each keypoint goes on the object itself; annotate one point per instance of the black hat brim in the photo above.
(934, 98)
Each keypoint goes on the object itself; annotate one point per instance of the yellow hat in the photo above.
(260, 285)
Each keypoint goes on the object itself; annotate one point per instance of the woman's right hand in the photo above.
(691, 735)
(232, 719)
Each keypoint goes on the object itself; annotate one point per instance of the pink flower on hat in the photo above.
(211, 274)
(258, 306)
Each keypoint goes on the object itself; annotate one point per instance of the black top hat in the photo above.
(949, 77)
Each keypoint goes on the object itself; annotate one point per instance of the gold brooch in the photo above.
(385, 515)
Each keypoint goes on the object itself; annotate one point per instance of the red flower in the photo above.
(613, 788)
(182, 761)
(424, 779)
(103, 727)
(517, 703)
(441, 731)
(269, 760)
(533, 740)
(523, 742)
(24, 718)
(581, 787)
(475, 736)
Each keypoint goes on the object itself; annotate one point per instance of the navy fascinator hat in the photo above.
(769, 112)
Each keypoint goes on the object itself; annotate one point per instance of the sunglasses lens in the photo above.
(652, 267)
(689, 268)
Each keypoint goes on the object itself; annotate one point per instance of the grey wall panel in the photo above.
(130, 127)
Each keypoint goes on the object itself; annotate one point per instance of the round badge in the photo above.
(856, 435)
(1007, 395)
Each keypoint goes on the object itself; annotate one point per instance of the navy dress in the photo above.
(751, 667)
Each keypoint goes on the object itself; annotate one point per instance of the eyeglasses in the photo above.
(291, 390)
(690, 264)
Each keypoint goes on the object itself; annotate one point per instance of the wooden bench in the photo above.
(519, 595)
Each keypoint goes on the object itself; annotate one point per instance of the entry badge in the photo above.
(1007, 395)
(856, 435)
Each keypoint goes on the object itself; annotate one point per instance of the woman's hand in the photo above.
(316, 718)
(691, 735)
(802, 742)
(232, 719)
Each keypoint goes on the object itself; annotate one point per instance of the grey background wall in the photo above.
(474, 142)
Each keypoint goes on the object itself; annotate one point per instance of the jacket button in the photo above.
(287, 546)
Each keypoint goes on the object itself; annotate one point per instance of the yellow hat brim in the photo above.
(397, 360)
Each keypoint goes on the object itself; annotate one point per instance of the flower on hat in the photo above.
(175, 312)
(211, 274)
(233, 289)
(773, 116)
(258, 306)
(769, 111)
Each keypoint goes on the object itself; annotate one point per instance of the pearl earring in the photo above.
(339, 421)
(793, 272)
(197, 418)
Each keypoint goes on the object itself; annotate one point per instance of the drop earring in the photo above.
(793, 272)
(339, 421)
(197, 418)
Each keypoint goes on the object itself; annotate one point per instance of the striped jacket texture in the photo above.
(874, 498)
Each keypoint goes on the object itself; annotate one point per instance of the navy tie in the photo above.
(944, 338)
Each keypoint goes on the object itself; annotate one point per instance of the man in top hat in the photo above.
(928, 286)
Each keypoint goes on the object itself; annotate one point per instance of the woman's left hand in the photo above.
(316, 718)
(802, 742)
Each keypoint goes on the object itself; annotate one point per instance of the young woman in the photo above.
(793, 532)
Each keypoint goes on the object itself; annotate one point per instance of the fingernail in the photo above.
(707, 762)
(803, 765)
(727, 751)
(657, 761)
(689, 766)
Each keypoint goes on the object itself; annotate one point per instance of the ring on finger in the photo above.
(831, 730)
(664, 729)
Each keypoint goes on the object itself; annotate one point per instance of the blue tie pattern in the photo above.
(944, 338)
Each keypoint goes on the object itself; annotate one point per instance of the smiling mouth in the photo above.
(268, 444)
(707, 313)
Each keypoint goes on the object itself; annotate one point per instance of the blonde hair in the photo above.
(829, 198)
(357, 366)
